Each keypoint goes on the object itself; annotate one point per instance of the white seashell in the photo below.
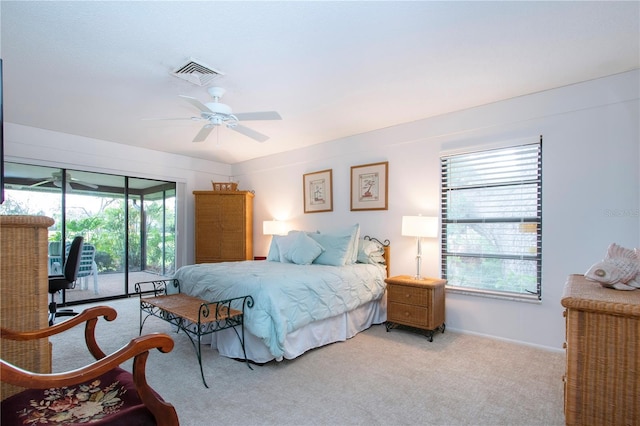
(620, 269)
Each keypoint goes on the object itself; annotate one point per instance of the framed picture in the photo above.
(369, 186)
(318, 191)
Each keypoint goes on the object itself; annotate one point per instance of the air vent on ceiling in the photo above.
(196, 72)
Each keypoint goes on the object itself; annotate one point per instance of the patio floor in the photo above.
(109, 285)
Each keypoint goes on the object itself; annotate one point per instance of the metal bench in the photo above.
(196, 317)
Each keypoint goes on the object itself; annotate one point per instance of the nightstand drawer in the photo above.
(408, 314)
(409, 295)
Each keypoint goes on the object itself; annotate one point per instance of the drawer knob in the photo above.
(406, 314)
(407, 295)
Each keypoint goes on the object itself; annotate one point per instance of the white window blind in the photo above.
(492, 220)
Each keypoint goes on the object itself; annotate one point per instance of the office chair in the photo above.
(65, 281)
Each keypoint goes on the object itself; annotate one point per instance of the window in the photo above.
(492, 221)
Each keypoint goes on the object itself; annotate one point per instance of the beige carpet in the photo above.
(375, 378)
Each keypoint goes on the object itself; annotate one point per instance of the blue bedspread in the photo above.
(287, 296)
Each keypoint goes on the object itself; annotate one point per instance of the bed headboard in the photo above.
(387, 251)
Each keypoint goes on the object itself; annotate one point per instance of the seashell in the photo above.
(620, 269)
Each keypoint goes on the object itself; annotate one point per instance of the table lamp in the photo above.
(419, 227)
(274, 227)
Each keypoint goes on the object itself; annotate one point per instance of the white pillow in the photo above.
(352, 252)
(370, 251)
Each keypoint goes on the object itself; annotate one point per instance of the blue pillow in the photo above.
(274, 253)
(300, 249)
(336, 249)
(352, 249)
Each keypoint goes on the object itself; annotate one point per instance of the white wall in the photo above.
(591, 194)
(591, 181)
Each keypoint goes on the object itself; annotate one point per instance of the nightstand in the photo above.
(417, 304)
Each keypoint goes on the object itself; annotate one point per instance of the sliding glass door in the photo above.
(151, 230)
(128, 224)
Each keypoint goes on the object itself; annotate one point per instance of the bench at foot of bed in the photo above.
(196, 317)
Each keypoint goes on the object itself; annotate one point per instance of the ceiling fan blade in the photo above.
(258, 115)
(203, 133)
(44, 182)
(196, 103)
(87, 184)
(250, 133)
(175, 118)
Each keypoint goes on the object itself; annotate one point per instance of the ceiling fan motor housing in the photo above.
(216, 92)
(218, 108)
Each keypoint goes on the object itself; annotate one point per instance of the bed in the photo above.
(313, 289)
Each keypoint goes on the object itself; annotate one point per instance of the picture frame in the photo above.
(318, 191)
(369, 186)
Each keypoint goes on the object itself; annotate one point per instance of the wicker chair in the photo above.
(100, 393)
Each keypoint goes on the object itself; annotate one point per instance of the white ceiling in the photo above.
(331, 69)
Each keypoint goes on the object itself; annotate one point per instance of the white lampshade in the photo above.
(420, 226)
(274, 227)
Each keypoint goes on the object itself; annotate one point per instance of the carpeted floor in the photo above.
(375, 378)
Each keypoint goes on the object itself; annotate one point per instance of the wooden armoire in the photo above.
(224, 226)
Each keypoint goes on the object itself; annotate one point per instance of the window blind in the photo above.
(492, 220)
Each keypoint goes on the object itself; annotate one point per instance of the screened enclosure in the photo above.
(128, 221)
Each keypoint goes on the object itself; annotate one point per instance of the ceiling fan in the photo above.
(216, 113)
(56, 180)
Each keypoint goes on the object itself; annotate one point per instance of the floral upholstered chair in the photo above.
(99, 393)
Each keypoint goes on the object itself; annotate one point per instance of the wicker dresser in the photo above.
(224, 226)
(24, 296)
(602, 379)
